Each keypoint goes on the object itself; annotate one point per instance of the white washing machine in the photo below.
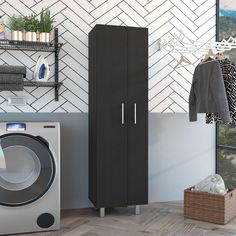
(29, 177)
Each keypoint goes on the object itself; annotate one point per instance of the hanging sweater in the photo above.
(228, 69)
(208, 93)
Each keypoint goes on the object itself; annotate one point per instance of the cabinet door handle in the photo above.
(122, 113)
(135, 113)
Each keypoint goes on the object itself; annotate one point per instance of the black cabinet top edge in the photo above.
(97, 26)
(110, 26)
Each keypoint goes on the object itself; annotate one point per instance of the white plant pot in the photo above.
(44, 37)
(17, 35)
(31, 36)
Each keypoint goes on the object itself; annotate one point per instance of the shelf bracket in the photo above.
(57, 88)
(56, 56)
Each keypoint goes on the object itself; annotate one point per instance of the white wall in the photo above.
(180, 154)
(168, 87)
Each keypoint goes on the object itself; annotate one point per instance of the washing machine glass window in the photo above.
(21, 172)
(27, 169)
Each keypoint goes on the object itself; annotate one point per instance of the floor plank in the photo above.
(159, 219)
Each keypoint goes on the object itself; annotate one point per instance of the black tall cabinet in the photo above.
(118, 116)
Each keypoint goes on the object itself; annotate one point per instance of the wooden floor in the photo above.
(162, 219)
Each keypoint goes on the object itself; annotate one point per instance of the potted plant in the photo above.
(16, 25)
(31, 27)
(45, 25)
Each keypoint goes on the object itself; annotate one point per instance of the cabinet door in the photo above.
(138, 116)
(111, 121)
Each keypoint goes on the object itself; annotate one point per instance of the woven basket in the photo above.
(210, 207)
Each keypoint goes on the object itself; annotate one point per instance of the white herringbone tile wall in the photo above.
(168, 87)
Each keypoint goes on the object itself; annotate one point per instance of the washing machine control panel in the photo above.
(15, 127)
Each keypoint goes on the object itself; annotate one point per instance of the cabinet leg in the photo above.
(137, 210)
(102, 212)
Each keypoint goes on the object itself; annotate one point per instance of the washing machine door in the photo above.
(27, 169)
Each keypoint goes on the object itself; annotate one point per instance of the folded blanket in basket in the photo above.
(11, 82)
(212, 184)
(13, 70)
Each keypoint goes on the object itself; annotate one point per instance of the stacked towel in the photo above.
(13, 70)
(11, 77)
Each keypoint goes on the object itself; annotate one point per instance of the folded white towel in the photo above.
(212, 184)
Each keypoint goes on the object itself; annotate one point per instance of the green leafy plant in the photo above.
(46, 21)
(16, 23)
(31, 24)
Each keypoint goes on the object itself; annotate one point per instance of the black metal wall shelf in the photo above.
(42, 84)
(53, 46)
(29, 46)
